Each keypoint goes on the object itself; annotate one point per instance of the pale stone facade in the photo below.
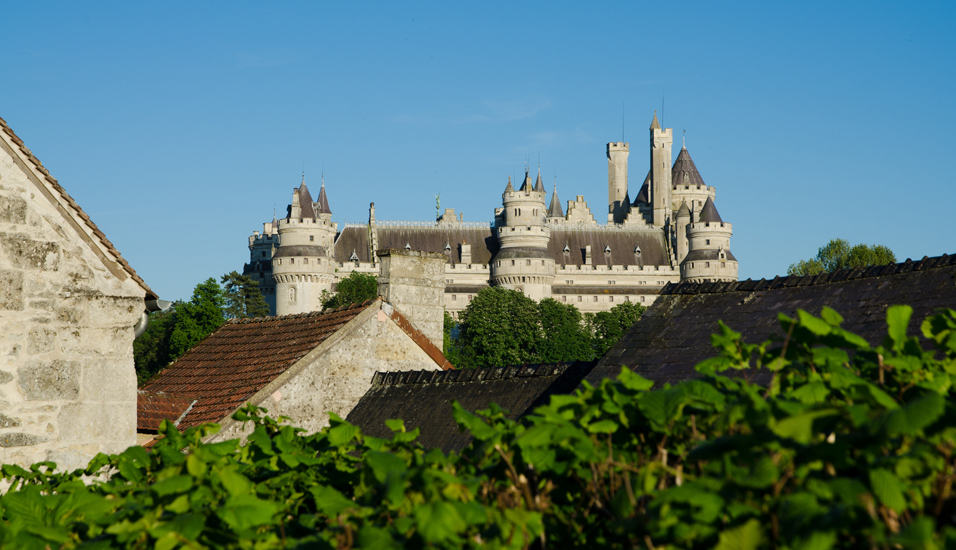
(531, 246)
(68, 306)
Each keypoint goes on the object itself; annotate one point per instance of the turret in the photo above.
(617, 196)
(555, 214)
(683, 219)
(708, 257)
(661, 141)
(302, 265)
(522, 261)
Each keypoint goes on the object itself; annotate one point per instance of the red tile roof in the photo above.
(124, 269)
(153, 408)
(243, 356)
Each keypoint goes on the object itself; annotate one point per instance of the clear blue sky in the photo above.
(179, 126)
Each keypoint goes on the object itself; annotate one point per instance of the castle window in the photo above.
(291, 260)
(469, 297)
(318, 260)
(263, 254)
(292, 295)
(279, 261)
(610, 299)
(723, 264)
(692, 265)
(564, 298)
(708, 241)
(579, 298)
(542, 262)
(627, 298)
(454, 297)
(311, 237)
(305, 260)
(642, 298)
(706, 264)
(595, 298)
(512, 262)
(527, 262)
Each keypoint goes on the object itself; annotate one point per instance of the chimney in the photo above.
(465, 253)
(414, 282)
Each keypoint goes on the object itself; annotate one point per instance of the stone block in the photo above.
(11, 290)
(9, 421)
(109, 382)
(20, 439)
(5, 377)
(41, 340)
(13, 210)
(24, 252)
(50, 380)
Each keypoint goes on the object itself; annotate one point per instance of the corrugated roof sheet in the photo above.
(673, 335)
(27, 154)
(230, 365)
(423, 398)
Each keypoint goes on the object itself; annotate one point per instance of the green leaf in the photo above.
(748, 536)
(603, 426)
(661, 407)
(888, 489)
(395, 424)
(342, 434)
(234, 482)
(897, 320)
(330, 501)
(915, 415)
(800, 426)
(246, 511)
(818, 540)
(918, 535)
(175, 484)
(438, 521)
(813, 324)
(831, 316)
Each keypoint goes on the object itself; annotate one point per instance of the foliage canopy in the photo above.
(354, 289)
(242, 297)
(847, 446)
(838, 254)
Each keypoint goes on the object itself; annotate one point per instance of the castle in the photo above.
(670, 233)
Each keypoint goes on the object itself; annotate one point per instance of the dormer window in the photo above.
(567, 250)
(637, 250)
(447, 247)
(408, 246)
(354, 257)
(607, 250)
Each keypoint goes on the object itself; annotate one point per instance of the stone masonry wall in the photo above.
(414, 282)
(67, 383)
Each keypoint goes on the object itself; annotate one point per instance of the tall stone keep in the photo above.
(617, 196)
(661, 141)
(414, 282)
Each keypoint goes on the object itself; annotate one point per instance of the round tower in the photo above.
(302, 265)
(708, 257)
(523, 262)
(683, 220)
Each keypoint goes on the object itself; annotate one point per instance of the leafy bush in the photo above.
(847, 446)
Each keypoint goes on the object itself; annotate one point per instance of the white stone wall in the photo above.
(67, 382)
(414, 282)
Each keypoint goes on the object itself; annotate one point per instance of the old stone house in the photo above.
(305, 365)
(68, 306)
(301, 366)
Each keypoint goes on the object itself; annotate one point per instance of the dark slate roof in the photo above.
(707, 254)
(305, 201)
(349, 239)
(554, 211)
(683, 211)
(684, 166)
(423, 398)
(323, 201)
(709, 213)
(644, 194)
(539, 185)
(433, 239)
(94, 231)
(300, 250)
(621, 242)
(673, 335)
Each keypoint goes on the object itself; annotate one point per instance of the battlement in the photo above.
(708, 188)
(617, 146)
(525, 196)
(306, 222)
(721, 226)
(610, 269)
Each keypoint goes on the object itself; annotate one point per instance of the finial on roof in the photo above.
(509, 188)
(539, 185)
(654, 124)
(683, 139)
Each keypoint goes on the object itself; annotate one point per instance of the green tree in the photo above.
(354, 289)
(449, 337)
(838, 254)
(499, 327)
(242, 297)
(607, 327)
(151, 349)
(564, 336)
(197, 318)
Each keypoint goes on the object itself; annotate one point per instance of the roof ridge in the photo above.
(323, 313)
(477, 374)
(840, 275)
(96, 232)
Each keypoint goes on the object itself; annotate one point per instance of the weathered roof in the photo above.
(673, 335)
(654, 124)
(433, 239)
(644, 194)
(554, 211)
(709, 212)
(352, 238)
(708, 254)
(683, 210)
(509, 188)
(684, 172)
(305, 201)
(153, 408)
(622, 243)
(423, 398)
(323, 201)
(539, 185)
(108, 254)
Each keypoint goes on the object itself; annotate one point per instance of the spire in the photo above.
(509, 188)
(305, 202)
(684, 169)
(539, 185)
(654, 124)
(684, 211)
(323, 199)
(554, 211)
(526, 186)
(709, 213)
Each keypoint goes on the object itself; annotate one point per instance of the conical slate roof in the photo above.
(684, 211)
(509, 188)
(305, 201)
(684, 168)
(526, 186)
(323, 201)
(654, 124)
(539, 185)
(709, 212)
(554, 211)
(644, 194)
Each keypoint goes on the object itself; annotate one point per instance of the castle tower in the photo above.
(683, 220)
(302, 265)
(708, 257)
(661, 141)
(523, 262)
(617, 196)
(555, 214)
